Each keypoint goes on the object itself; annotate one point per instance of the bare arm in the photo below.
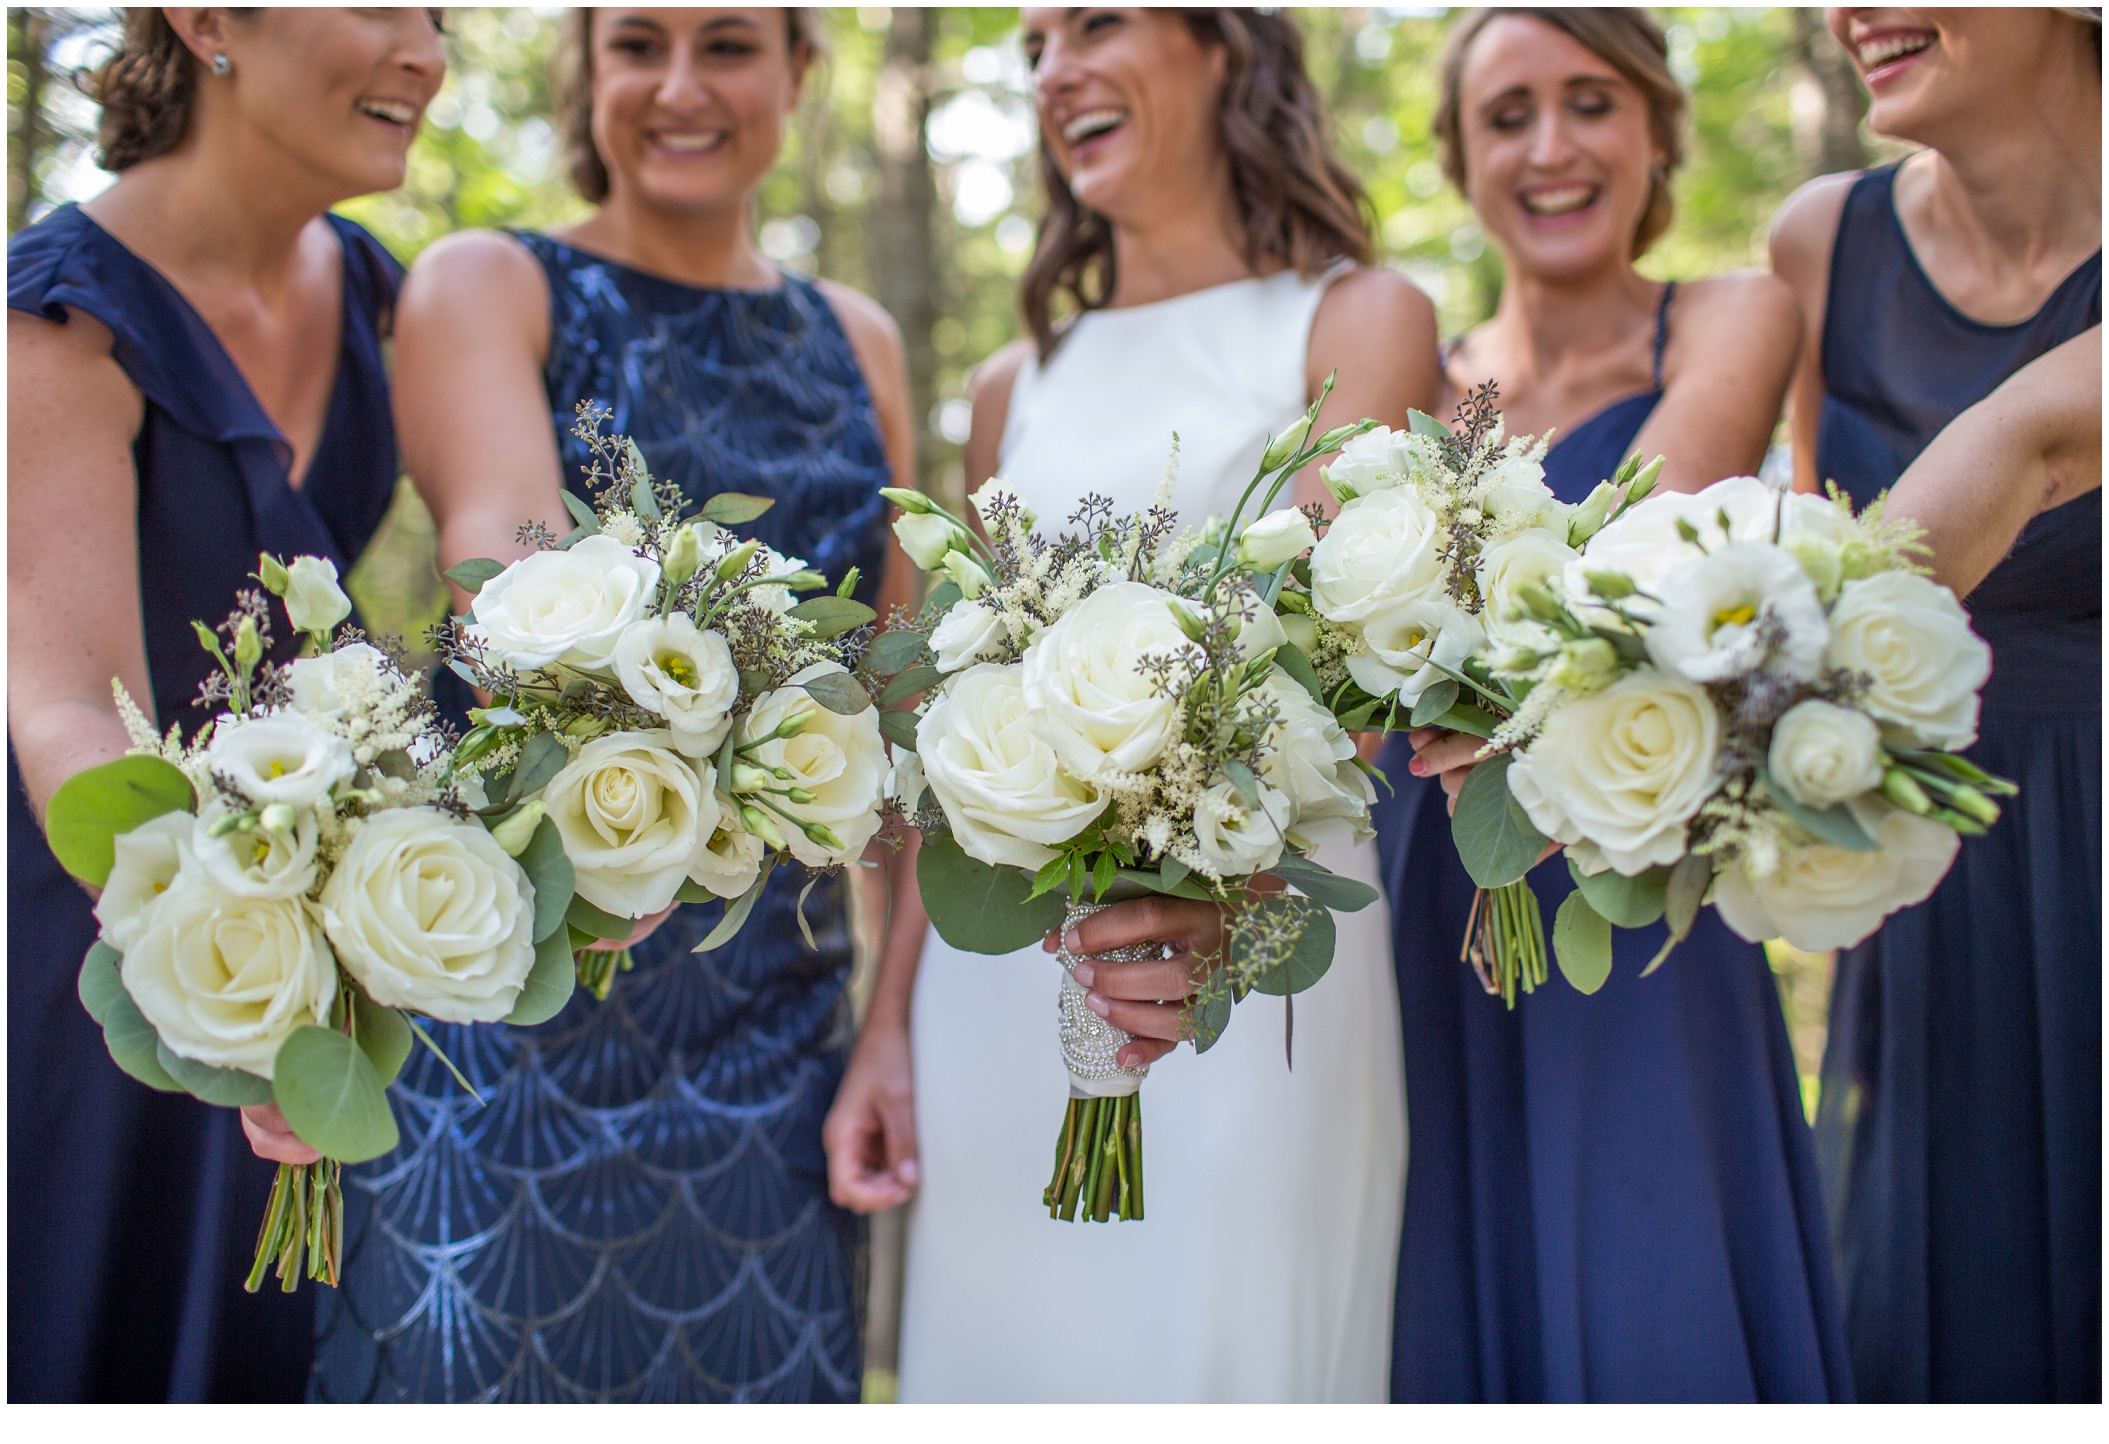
(2033, 444)
(1802, 234)
(993, 380)
(74, 614)
(1375, 333)
(1721, 398)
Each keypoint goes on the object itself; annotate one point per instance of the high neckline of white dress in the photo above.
(1146, 308)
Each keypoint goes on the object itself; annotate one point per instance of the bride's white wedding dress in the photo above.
(1264, 1269)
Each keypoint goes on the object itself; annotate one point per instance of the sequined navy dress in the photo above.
(638, 1209)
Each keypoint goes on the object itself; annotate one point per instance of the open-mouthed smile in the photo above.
(1886, 54)
(1551, 202)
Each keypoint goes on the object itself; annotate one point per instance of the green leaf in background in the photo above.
(1322, 885)
(548, 986)
(753, 681)
(978, 908)
(1210, 1020)
(100, 986)
(471, 575)
(95, 807)
(898, 727)
(134, 1045)
(731, 508)
(1290, 658)
(736, 912)
(589, 919)
(1581, 940)
(832, 616)
(642, 501)
(1495, 841)
(692, 891)
(943, 595)
(581, 513)
(221, 1087)
(1307, 961)
(839, 692)
(384, 1036)
(550, 871)
(1835, 825)
(1439, 698)
(907, 684)
(1625, 902)
(893, 652)
(332, 1096)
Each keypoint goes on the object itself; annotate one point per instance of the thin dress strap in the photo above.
(1662, 328)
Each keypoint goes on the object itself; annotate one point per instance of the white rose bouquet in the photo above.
(1111, 712)
(658, 697)
(1741, 697)
(284, 896)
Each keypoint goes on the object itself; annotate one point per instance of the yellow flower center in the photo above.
(1741, 616)
(263, 849)
(278, 770)
(677, 667)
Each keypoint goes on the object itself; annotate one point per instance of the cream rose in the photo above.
(1913, 639)
(148, 859)
(840, 760)
(685, 675)
(224, 979)
(1722, 614)
(566, 606)
(334, 683)
(1824, 754)
(259, 862)
(631, 812)
(430, 914)
(969, 633)
(1007, 799)
(314, 601)
(1623, 769)
(1515, 490)
(282, 757)
(1234, 840)
(1086, 691)
(1822, 897)
(1311, 762)
(1381, 552)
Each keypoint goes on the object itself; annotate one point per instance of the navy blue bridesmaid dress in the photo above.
(1960, 1128)
(132, 1214)
(637, 1209)
(1612, 1198)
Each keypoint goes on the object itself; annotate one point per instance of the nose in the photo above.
(1057, 73)
(683, 84)
(1550, 147)
(418, 51)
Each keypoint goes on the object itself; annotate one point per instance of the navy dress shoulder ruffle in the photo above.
(1612, 1197)
(637, 1208)
(131, 1214)
(1960, 1128)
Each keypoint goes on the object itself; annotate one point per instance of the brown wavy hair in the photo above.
(1297, 205)
(1630, 42)
(146, 90)
(571, 88)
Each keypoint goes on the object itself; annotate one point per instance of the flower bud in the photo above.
(822, 835)
(228, 822)
(797, 721)
(272, 573)
(1971, 803)
(683, 556)
(517, 831)
(1585, 666)
(1589, 517)
(1901, 788)
(927, 537)
(1285, 446)
(1645, 482)
(1611, 586)
(736, 560)
(248, 647)
(278, 817)
(314, 601)
(966, 573)
(762, 825)
(1276, 538)
(1300, 630)
(912, 502)
(1340, 435)
(1538, 601)
(1189, 621)
(746, 777)
(801, 795)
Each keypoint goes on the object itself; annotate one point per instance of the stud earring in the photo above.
(221, 65)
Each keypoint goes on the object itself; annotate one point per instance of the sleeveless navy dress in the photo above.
(132, 1214)
(1612, 1198)
(1960, 1127)
(637, 1210)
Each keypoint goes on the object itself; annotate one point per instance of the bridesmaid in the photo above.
(1960, 1127)
(1613, 1197)
(194, 377)
(637, 1209)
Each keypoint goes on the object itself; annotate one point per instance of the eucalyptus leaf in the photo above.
(1581, 941)
(1465, 718)
(1322, 885)
(692, 891)
(1242, 779)
(1173, 871)
(1494, 848)
(1440, 697)
(1626, 902)
(471, 575)
(221, 1087)
(893, 652)
(1835, 825)
(736, 912)
(832, 616)
(731, 508)
(1422, 424)
(753, 681)
(1682, 895)
(898, 727)
(134, 1044)
(93, 808)
(1133, 882)
(603, 925)
(384, 1036)
(542, 757)
(1307, 961)
(978, 908)
(839, 692)
(332, 1097)
(551, 872)
(907, 684)
(642, 501)
(100, 985)
(1290, 658)
(396, 763)
(581, 513)
(1210, 1020)
(548, 987)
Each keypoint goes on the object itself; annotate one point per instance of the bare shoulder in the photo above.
(994, 377)
(469, 271)
(1736, 303)
(69, 363)
(1806, 223)
(1378, 299)
(871, 330)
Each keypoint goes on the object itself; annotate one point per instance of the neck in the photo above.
(1178, 248)
(2026, 183)
(1544, 325)
(713, 248)
(215, 211)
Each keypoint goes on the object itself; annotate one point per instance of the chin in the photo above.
(1565, 259)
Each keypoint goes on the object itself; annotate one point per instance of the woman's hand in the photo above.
(1445, 755)
(869, 1134)
(1146, 998)
(644, 928)
(273, 1138)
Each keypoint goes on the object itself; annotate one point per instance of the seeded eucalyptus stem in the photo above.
(1098, 1161)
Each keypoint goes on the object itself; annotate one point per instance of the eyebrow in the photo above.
(1608, 78)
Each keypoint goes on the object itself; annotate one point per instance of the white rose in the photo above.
(564, 606)
(1234, 840)
(1721, 614)
(969, 633)
(1311, 762)
(1004, 794)
(314, 601)
(926, 537)
(1823, 897)
(148, 859)
(1277, 537)
(631, 813)
(225, 979)
(1374, 461)
(1529, 558)
(1624, 768)
(1399, 643)
(1515, 490)
(282, 757)
(1913, 639)
(430, 914)
(732, 856)
(840, 760)
(1381, 551)
(259, 863)
(1824, 754)
(334, 683)
(685, 675)
(1085, 688)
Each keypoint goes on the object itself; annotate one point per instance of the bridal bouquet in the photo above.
(663, 702)
(285, 895)
(1106, 714)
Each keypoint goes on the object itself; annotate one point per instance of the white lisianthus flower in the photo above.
(1311, 762)
(1913, 640)
(429, 913)
(1515, 491)
(906, 783)
(732, 856)
(1377, 460)
(262, 863)
(1399, 643)
(224, 979)
(1003, 792)
(334, 683)
(969, 633)
(1380, 552)
(840, 760)
(1532, 557)
(282, 757)
(1085, 689)
(631, 811)
(685, 675)
(926, 537)
(148, 859)
(1824, 754)
(1234, 840)
(564, 606)
(1822, 896)
(996, 489)
(1623, 769)
(1646, 545)
(1278, 537)
(314, 601)
(1717, 611)
(778, 599)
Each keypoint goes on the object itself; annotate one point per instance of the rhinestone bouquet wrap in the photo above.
(1098, 1160)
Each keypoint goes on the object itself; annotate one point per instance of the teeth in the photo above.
(1559, 202)
(689, 142)
(1882, 50)
(395, 111)
(1090, 123)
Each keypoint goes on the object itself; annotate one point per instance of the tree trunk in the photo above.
(28, 138)
(1838, 144)
(903, 265)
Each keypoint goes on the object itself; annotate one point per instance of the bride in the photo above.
(1199, 223)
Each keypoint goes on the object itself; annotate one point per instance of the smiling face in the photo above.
(1557, 149)
(689, 106)
(1127, 103)
(1929, 71)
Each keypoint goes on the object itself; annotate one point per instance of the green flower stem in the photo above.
(1098, 1161)
(305, 1219)
(597, 968)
